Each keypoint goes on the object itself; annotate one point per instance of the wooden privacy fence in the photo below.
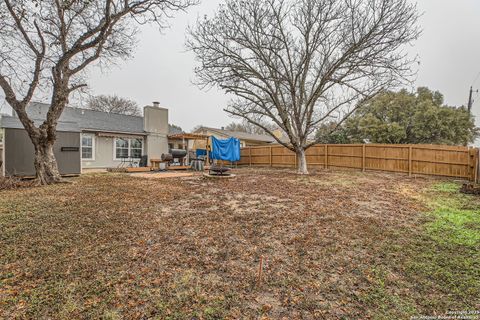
(449, 161)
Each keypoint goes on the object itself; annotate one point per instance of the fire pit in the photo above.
(219, 170)
(216, 171)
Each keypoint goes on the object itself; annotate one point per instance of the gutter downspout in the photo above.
(2, 171)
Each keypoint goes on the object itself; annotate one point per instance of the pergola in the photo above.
(185, 137)
(189, 136)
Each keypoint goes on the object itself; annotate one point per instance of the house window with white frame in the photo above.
(136, 148)
(88, 146)
(126, 148)
(121, 148)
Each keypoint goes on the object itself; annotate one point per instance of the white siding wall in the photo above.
(104, 154)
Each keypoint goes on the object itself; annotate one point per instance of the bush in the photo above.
(9, 183)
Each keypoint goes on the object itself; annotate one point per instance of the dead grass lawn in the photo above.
(337, 245)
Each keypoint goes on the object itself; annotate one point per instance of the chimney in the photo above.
(155, 119)
(155, 124)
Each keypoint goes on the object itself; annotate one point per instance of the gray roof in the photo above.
(76, 119)
(14, 123)
(241, 135)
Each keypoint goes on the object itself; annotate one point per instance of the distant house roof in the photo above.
(239, 135)
(76, 119)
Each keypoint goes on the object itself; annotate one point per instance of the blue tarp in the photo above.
(201, 152)
(228, 150)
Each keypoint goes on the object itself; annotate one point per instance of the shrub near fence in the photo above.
(437, 160)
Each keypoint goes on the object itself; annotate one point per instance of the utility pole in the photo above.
(470, 100)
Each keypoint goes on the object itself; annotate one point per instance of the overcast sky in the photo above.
(449, 51)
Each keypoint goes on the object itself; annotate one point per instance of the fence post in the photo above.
(472, 164)
(477, 167)
(410, 161)
(469, 163)
(326, 156)
(364, 147)
(271, 156)
(295, 157)
(250, 155)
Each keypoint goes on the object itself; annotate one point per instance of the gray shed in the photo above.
(18, 151)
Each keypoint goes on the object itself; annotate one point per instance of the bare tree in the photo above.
(301, 63)
(174, 129)
(236, 126)
(114, 104)
(46, 45)
(248, 127)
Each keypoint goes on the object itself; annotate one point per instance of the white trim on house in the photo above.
(129, 139)
(102, 133)
(91, 135)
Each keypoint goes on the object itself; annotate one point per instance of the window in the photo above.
(136, 148)
(121, 148)
(128, 148)
(88, 146)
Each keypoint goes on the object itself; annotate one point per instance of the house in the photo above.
(246, 139)
(87, 139)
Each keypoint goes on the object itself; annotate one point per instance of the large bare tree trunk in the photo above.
(301, 161)
(45, 164)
